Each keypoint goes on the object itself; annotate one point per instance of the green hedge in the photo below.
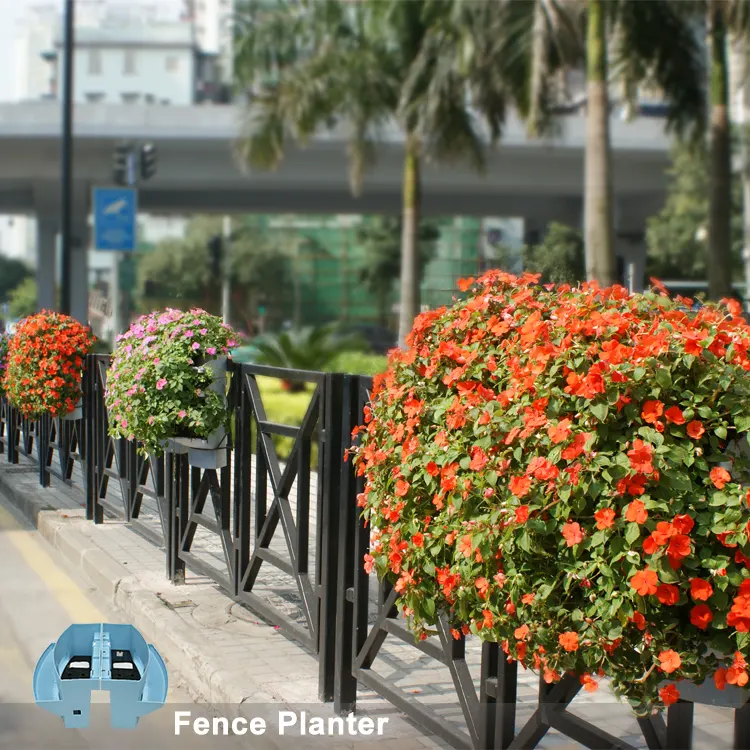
(356, 363)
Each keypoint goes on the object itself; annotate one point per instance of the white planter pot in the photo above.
(77, 412)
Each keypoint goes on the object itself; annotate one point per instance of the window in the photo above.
(94, 97)
(130, 98)
(149, 98)
(172, 63)
(128, 62)
(95, 62)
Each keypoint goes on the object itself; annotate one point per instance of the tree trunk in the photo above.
(598, 214)
(409, 300)
(720, 201)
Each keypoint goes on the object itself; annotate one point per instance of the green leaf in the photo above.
(638, 373)
(663, 378)
(491, 477)
(721, 432)
(524, 541)
(705, 411)
(742, 424)
(600, 411)
(632, 533)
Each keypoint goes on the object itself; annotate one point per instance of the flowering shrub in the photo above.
(4, 341)
(549, 467)
(156, 388)
(45, 364)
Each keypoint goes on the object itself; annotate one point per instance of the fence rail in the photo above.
(297, 520)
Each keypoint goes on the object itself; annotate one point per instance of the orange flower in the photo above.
(695, 429)
(636, 512)
(669, 694)
(683, 524)
(418, 539)
(670, 661)
(569, 640)
(640, 456)
(605, 518)
(464, 546)
(590, 685)
(668, 594)
(572, 533)
(701, 616)
(720, 678)
(720, 476)
(700, 590)
(527, 598)
(639, 620)
(652, 410)
(645, 582)
(522, 514)
(674, 415)
(559, 432)
(402, 487)
(483, 586)
(432, 469)
(519, 486)
(521, 633)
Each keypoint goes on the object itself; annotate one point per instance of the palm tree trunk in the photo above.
(598, 214)
(720, 205)
(409, 301)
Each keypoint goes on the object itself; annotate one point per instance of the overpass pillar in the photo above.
(47, 227)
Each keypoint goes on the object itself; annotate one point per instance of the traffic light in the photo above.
(120, 165)
(214, 252)
(148, 161)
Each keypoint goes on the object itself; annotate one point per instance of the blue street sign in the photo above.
(115, 213)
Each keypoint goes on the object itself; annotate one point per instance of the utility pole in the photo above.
(66, 165)
(226, 271)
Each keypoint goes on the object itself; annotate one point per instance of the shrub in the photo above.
(45, 364)
(156, 388)
(4, 341)
(548, 466)
(357, 363)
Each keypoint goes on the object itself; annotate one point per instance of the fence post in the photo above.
(43, 440)
(242, 476)
(12, 433)
(345, 684)
(331, 517)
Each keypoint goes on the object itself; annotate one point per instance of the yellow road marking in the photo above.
(67, 593)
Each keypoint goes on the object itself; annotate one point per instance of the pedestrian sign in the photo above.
(115, 213)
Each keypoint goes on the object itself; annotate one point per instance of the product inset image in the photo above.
(101, 656)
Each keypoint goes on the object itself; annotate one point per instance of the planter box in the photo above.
(210, 452)
(76, 414)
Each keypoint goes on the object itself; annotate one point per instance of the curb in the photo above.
(158, 624)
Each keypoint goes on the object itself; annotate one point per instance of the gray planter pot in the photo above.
(76, 414)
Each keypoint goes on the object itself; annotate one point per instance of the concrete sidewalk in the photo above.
(228, 656)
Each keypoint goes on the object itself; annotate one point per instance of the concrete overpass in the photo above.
(538, 180)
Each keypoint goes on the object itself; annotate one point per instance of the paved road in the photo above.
(39, 598)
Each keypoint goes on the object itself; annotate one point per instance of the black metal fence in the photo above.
(298, 519)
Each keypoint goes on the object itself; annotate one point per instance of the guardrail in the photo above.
(298, 520)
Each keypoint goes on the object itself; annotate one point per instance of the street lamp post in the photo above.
(66, 165)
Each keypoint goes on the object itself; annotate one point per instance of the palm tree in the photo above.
(727, 21)
(365, 65)
(381, 240)
(630, 41)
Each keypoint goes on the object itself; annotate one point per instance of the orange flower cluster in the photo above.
(560, 470)
(45, 363)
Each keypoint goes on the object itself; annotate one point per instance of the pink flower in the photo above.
(204, 331)
(231, 343)
(182, 414)
(123, 423)
(211, 350)
(196, 345)
(160, 384)
(188, 334)
(151, 420)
